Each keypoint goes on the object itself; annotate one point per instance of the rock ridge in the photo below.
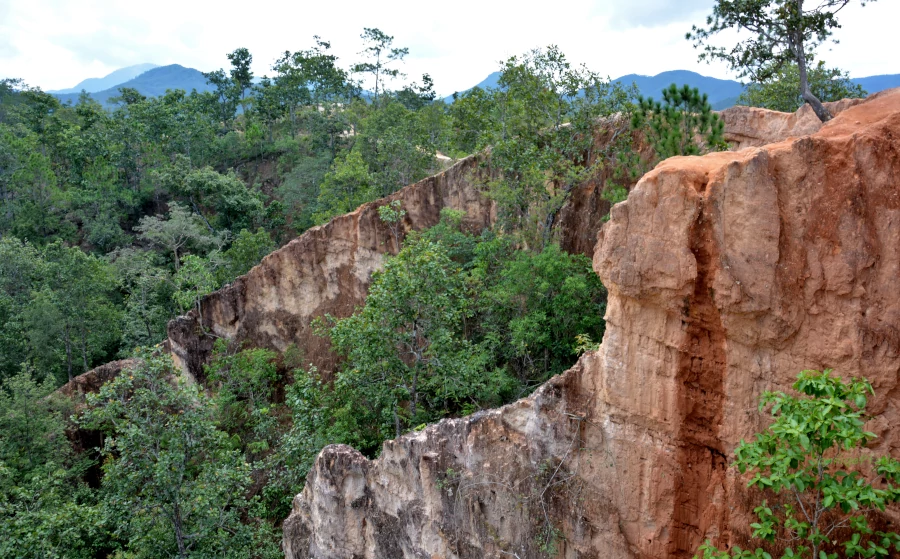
(727, 275)
(325, 270)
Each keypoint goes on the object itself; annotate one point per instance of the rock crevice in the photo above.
(727, 275)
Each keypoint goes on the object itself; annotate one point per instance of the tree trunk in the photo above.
(203, 217)
(817, 106)
(69, 352)
(84, 347)
(179, 532)
(800, 54)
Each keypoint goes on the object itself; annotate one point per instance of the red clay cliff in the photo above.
(727, 275)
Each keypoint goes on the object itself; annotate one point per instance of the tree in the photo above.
(311, 78)
(683, 124)
(782, 32)
(245, 384)
(31, 202)
(544, 112)
(227, 95)
(246, 251)
(344, 188)
(73, 308)
(380, 55)
(173, 485)
(396, 149)
(781, 91)
(415, 96)
(193, 281)
(148, 290)
(46, 508)
(405, 351)
(181, 230)
(531, 306)
(810, 461)
(241, 75)
(269, 105)
(20, 274)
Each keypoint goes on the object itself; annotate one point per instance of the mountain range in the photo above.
(94, 85)
(722, 93)
(152, 83)
(152, 80)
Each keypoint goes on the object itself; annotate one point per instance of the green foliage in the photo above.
(453, 324)
(532, 307)
(245, 386)
(181, 231)
(683, 124)
(395, 145)
(193, 281)
(46, 510)
(148, 289)
(776, 33)
(224, 198)
(408, 337)
(811, 461)
(539, 123)
(246, 251)
(380, 54)
(781, 91)
(173, 485)
(31, 202)
(345, 188)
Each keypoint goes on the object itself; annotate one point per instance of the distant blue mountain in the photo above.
(722, 93)
(874, 84)
(652, 86)
(491, 81)
(151, 83)
(122, 75)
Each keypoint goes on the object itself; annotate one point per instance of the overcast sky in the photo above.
(55, 44)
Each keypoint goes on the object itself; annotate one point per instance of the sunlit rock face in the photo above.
(752, 127)
(727, 275)
(326, 270)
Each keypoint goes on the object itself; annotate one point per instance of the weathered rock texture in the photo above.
(727, 275)
(91, 381)
(752, 127)
(325, 271)
(577, 222)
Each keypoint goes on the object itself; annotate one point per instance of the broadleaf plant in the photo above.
(823, 487)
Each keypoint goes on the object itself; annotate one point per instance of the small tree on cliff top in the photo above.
(683, 124)
(781, 32)
(823, 495)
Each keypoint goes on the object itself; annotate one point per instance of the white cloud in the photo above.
(57, 43)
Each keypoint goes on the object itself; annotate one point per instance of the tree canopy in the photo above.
(780, 32)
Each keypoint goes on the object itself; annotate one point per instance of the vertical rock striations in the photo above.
(727, 275)
(325, 270)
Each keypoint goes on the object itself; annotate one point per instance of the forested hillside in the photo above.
(114, 221)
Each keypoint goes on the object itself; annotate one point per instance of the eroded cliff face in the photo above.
(727, 275)
(325, 271)
(752, 127)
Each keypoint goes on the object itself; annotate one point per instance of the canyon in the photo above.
(727, 275)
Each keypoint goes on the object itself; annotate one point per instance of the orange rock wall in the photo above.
(727, 275)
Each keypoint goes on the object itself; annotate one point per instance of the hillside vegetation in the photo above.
(112, 222)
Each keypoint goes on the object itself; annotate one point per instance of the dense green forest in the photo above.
(113, 222)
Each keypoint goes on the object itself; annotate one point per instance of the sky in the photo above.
(54, 44)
